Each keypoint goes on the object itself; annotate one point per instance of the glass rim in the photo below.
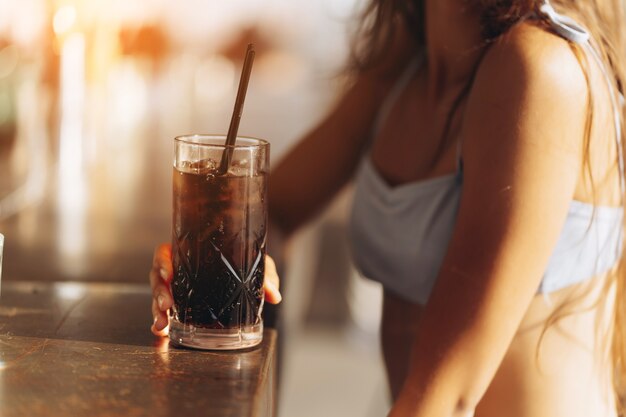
(194, 139)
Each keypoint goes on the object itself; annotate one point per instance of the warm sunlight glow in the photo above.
(64, 19)
(9, 57)
(70, 290)
(215, 78)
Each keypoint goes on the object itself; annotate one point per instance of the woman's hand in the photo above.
(162, 300)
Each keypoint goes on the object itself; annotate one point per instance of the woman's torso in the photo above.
(564, 377)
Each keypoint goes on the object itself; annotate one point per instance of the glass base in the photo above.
(215, 339)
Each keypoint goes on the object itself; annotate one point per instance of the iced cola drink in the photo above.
(218, 243)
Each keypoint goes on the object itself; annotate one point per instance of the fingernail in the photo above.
(160, 301)
(157, 325)
(154, 320)
(164, 273)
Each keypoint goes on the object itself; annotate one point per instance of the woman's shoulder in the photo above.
(533, 79)
(529, 87)
(530, 57)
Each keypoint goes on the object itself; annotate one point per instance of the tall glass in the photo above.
(218, 242)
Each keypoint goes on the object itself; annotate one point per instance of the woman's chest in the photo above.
(417, 135)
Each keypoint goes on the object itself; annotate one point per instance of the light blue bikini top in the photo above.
(399, 235)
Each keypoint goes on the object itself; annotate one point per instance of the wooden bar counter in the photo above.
(85, 349)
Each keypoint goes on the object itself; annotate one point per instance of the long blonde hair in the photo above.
(605, 20)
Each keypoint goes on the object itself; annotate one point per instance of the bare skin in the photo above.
(472, 350)
(475, 342)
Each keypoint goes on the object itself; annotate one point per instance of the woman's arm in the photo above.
(325, 159)
(522, 150)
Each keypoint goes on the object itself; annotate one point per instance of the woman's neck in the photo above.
(453, 42)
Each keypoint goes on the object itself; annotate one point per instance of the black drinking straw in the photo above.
(231, 137)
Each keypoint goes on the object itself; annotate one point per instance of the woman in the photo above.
(486, 140)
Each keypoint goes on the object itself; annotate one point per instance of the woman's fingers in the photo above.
(271, 283)
(162, 261)
(160, 278)
(160, 321)
(163, 297)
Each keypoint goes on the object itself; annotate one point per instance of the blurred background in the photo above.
(92, 93)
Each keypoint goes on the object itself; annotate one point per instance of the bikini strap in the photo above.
(572, 31)
(392, 96)
(565, 26)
